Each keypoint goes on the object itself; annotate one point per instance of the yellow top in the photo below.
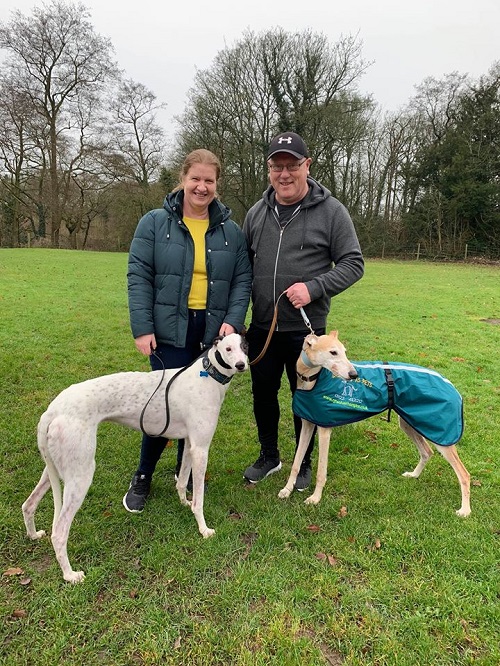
(198, 295)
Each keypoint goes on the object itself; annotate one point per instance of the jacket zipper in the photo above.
(282, 229)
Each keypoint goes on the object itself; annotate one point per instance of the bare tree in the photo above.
(437, 100)
(342, 138)
(266, 83)
(14, 156)
(23, 136)
(137, 134)
(56, 56)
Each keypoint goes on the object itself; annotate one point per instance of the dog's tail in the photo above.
(43, 441)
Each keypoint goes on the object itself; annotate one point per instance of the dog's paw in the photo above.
(312, 500)
(74, 577)
(207, 532)
(410, 474)
(463, 513)
(284, 493)
(39, 534)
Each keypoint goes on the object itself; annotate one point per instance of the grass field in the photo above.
(382, 572)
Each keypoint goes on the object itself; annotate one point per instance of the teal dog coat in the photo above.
(423, 398)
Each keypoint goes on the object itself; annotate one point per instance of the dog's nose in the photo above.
(353, 374)
(240, 366)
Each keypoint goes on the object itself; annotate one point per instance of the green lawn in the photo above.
(394, 579)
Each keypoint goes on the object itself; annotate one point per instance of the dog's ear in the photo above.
(309, 340)
(217, 339)
(334, 335)
(244, 345)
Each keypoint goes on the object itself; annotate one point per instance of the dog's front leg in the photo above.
(199, 457)
(324, 445)
(304, 439)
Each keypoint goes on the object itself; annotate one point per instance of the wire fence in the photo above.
(374, 249)
(423, 251)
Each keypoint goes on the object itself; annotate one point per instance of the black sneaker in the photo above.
(261, 468)
(137, 494)
(303, 477)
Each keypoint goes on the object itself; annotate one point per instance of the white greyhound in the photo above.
(445, 409)
(67, 432)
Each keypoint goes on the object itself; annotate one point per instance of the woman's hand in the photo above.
(226, 329)
(146, 343)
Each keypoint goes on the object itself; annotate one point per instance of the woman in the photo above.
(189, 280)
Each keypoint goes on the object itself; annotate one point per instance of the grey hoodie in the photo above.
(318, 246)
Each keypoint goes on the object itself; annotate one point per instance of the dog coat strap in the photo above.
(389, 379)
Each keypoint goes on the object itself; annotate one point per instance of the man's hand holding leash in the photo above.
(298, 295)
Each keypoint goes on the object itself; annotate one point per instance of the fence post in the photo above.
(418, 252)
(466, 249)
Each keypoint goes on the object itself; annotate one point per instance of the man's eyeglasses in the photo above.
(278, 168)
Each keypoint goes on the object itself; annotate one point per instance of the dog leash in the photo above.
(271, 331)
(273, 326)
(208, 369)
(306, 320)
(167, 388)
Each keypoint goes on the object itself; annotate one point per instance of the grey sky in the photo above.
(162, 44)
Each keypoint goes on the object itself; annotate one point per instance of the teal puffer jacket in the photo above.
(160, 270)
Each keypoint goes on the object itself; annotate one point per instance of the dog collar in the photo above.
(221, 361)
(308, 379)
(305, 360)
(214, 373)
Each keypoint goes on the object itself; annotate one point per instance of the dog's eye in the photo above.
(334, 353)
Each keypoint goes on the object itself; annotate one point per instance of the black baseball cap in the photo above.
(288, 142)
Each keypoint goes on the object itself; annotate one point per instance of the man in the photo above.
(303, 246)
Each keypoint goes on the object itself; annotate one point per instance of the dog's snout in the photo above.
(353, 374)
(240, 366)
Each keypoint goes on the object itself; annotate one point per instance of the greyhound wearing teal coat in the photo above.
(332, 391)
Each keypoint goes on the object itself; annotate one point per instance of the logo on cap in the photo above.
(288, 142)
